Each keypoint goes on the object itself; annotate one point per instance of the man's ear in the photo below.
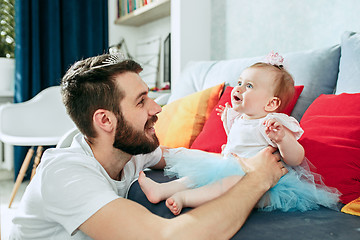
(273, 104)
(104, 120)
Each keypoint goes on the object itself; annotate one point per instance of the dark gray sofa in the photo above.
(331, 70)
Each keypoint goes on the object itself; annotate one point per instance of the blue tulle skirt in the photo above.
(298, 190)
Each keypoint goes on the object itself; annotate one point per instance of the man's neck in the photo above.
(113, 160)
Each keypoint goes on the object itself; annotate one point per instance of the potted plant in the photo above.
(7, 46)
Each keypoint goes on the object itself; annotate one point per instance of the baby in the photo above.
(252, 123)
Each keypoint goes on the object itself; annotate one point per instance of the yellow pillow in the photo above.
(181, 121)
(352, 207)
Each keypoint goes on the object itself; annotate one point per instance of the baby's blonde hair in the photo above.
(285, 88)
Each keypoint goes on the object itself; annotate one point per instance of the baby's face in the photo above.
(255, 89)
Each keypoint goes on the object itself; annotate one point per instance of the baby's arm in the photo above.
(290, 149)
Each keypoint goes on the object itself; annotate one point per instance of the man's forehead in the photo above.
(131, 84)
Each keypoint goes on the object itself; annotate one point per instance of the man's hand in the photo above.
(266, 164)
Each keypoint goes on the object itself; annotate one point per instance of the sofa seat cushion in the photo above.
(317, 224)
(331, 141)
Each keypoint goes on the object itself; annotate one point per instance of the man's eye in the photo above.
(141, 102)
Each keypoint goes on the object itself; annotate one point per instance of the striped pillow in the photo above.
(181, 121)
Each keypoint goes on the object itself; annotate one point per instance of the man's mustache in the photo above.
(151, 121)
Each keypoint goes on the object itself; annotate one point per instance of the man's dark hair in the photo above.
(89, 85)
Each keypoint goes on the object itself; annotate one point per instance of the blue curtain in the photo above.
(50, 36)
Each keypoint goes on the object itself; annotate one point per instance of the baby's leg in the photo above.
(156, 192)
(197, 196)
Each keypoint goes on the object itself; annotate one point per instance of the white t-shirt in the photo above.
(69, 186)
(247, 137)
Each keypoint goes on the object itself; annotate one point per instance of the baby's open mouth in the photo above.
(236, 98)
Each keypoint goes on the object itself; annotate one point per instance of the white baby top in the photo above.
(247, 136)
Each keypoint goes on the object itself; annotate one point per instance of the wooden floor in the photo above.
(6, 186)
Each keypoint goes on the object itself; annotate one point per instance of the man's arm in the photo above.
(220, 218)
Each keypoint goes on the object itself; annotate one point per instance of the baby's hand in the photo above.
(222, 149)
(222, 110)
(274, 130)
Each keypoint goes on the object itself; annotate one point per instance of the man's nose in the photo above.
(154, 108)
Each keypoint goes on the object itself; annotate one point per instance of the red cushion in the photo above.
(213, 135)
(291, 105)
(332, 141)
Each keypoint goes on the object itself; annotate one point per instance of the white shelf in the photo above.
(146, 14)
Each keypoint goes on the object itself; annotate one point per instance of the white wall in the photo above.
(190, 33)
(252, 28)
(227, 29)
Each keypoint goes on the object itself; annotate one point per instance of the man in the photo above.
(80, 191)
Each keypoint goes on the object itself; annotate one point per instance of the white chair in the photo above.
(41, 121)
(66, 140)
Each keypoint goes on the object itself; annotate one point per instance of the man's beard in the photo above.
(133, 142)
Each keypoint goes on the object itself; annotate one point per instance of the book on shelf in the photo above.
(128, 6)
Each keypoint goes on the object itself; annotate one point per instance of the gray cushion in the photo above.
(349, 74)
(317, 70)
(200, 75)
(191, 80)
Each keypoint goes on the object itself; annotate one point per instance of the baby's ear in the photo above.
(273, 104)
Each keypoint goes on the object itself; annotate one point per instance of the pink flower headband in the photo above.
(275, 59)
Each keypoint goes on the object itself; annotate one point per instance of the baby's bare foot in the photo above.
(174, 204)
(150, 188)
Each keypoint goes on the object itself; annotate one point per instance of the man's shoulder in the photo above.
(77, 150)
(52, 153)
(57, 157)
(59, 166)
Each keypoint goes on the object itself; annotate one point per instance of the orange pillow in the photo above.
(181, 121)
(352, 207)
